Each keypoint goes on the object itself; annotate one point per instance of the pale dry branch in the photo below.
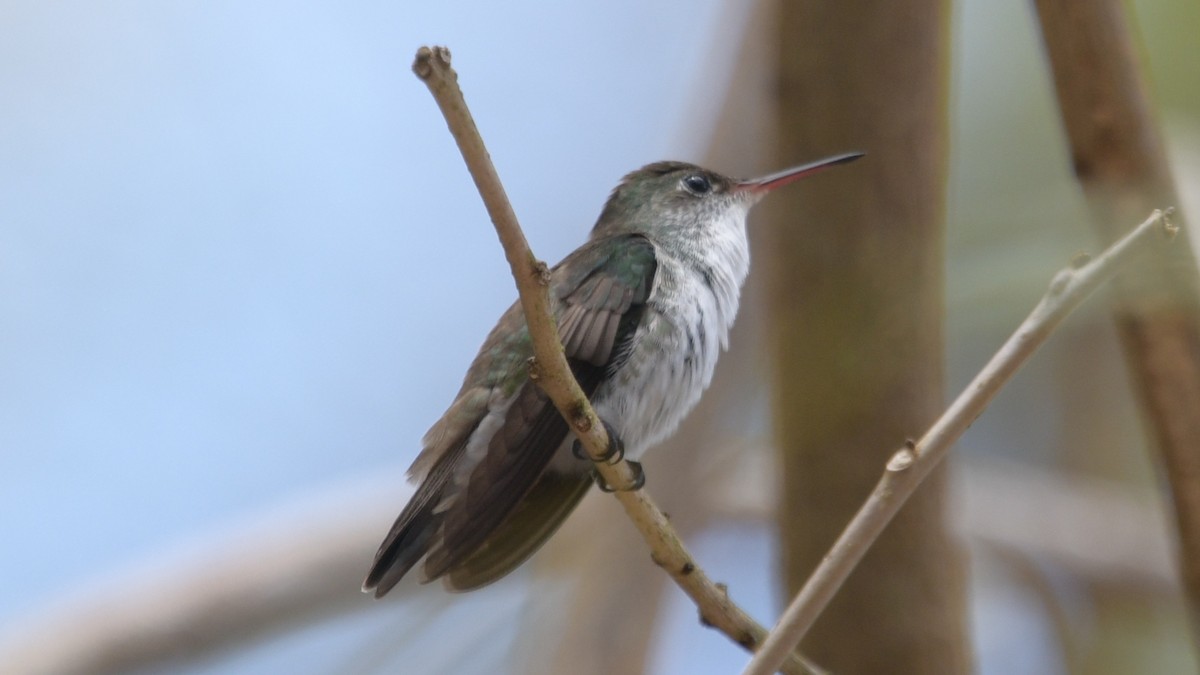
(551, 371)
(912, 463)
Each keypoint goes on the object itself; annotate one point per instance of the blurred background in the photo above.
(242, 269)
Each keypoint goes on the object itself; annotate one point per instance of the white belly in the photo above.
(672, 356)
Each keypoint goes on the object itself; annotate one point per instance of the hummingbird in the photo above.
(643, 310)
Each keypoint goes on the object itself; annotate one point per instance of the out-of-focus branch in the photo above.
(855, 323)
(552, 373)
(1093, 529)
(275, 573)
(912, 463)
(1118, 157)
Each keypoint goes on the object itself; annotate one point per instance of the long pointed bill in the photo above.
(761, 186)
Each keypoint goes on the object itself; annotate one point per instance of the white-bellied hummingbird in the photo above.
(643, 310)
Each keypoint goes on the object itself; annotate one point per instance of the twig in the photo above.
(550, 370)
(912, 463)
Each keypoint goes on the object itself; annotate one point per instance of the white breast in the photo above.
(674, 351)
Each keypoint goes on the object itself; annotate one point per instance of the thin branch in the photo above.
(912, 463)
(550, 370)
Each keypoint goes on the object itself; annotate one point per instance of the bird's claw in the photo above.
(639, 479)
(614, 453)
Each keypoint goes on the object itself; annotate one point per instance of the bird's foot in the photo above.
(612, 454)
(639, 479)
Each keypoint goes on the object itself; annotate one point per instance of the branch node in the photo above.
(541, 272)
(1080, 259)
(1060, 282)
(535, 368)
(903, 459)
(580, 419)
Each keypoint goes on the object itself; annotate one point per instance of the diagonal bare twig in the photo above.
(912, 463)
(551, 372)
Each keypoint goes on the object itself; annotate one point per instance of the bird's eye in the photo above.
(697, 184)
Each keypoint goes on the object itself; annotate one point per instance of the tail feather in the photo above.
(413, 533)
(526, 529)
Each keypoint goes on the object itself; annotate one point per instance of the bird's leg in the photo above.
(614, 453)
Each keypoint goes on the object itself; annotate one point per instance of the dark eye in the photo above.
(697, 184)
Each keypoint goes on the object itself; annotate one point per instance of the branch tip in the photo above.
(580, 419)
(1169, 228)
(423, 63)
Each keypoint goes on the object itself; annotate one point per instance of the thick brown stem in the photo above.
(1118, 157)
(857, 321)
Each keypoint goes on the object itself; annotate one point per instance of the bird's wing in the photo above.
(547, 504)
(601, 290)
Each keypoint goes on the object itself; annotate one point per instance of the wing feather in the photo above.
(469, 518)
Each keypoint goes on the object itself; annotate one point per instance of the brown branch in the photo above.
(912, 463)
(856, 269)
(552, 373)
(1118, 157)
